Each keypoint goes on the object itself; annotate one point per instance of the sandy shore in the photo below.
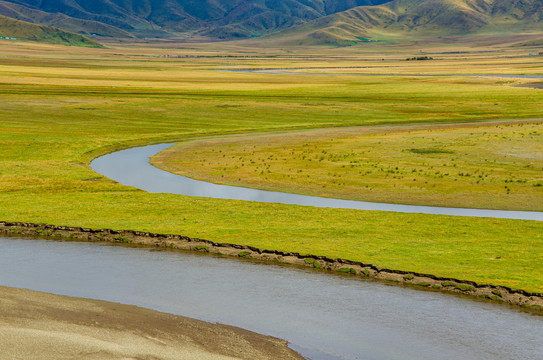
(35, 325)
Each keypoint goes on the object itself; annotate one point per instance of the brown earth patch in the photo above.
(35, 325)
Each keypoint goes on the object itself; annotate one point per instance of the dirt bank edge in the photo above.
(494, 293)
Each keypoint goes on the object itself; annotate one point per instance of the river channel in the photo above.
(305, 71)
(131, 167)
(324, 317)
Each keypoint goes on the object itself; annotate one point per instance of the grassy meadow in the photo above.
(497, 165)
(61, 107)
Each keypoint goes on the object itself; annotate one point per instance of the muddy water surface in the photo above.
(324, 317)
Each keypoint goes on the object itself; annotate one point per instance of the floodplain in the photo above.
(62, 107)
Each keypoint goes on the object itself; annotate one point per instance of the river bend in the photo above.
(131, 167)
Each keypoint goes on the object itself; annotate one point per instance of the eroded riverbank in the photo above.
(498, 294)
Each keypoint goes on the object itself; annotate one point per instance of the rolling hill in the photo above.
(287, 22)
(21, 30)
(420, 19)
(219, 19)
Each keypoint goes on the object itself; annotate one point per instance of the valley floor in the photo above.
(63, 107)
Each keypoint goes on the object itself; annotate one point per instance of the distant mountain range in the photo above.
(420, 19)
(220, 19)
(297, 22)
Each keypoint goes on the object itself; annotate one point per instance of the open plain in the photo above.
(62, 107)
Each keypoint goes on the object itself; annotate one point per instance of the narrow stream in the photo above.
(302, 71)
(131, 167)
(324, 317)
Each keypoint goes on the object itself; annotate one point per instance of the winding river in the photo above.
(131, 167)
(324, 317)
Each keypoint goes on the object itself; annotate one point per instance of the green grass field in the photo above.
(60, 108)
(484, 165)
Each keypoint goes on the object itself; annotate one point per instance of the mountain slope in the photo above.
(215, 18)
(27, 31)
(59, 20)
(415, 19)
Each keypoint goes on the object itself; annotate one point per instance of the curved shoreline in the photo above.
(131, 167)
(494, 293)
(45, 326)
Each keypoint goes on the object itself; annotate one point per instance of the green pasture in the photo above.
(59, 111)
(497, 165)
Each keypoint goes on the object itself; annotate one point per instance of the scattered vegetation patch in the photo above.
(418, 58)
(313, 262)
(346, 270)
(122, 239)
(431, 151)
